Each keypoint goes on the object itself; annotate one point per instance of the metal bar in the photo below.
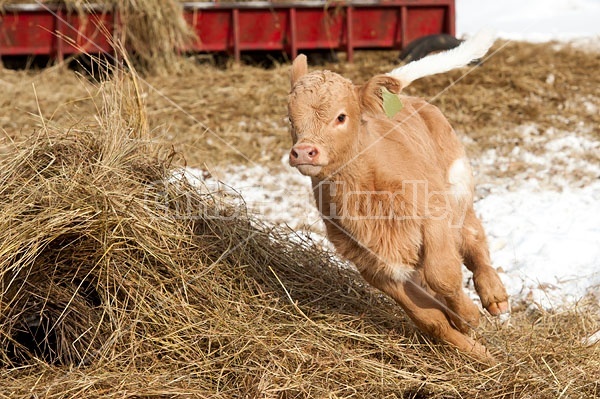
(236, 35)
(117, 36)
(398, 32)
(403, 26)
(247, 4)
(311, 4)
(451, 18)
(293, 36)
(31, 7)
(59, 35)
(349, 37)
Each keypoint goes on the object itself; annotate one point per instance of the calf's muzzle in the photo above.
(304, 154)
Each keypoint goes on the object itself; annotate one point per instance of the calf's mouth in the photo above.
(309, 169)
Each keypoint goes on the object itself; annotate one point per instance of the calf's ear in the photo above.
(370, 93)
(299, 69)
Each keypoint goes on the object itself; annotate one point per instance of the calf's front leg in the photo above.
(430, 315)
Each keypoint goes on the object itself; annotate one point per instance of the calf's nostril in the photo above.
(303, 154)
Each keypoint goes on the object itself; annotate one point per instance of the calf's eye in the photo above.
(341, 118)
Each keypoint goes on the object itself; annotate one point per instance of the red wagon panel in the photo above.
(236, 27)
(210, 39)
(319, 29)
(30, 33)
(425, 21)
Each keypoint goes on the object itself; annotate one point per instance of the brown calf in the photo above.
(396, 192)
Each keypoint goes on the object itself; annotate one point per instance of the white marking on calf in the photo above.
(400, 272)
(460, 178)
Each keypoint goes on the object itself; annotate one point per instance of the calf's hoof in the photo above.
(498, 308)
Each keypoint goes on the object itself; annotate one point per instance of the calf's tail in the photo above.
(458, 57)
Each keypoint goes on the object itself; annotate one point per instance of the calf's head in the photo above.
(327, 113)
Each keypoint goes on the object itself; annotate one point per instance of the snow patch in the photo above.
(534, 20)
(542, 160)
(547, 243)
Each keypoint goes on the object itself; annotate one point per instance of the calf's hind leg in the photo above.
(476, 256)
(429, 315)
(442, 272)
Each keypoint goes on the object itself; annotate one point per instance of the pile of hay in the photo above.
(155, 32)
(120, 280)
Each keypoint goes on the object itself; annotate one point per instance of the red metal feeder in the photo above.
(38, 29)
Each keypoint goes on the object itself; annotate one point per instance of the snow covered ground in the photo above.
(547, 243)
(532, 20)
(543, 225)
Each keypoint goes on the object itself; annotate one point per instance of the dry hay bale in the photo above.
(155, 32)
(69, 205)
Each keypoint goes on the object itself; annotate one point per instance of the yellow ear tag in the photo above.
(391, 103)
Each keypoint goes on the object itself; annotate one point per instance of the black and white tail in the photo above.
(458, 57)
